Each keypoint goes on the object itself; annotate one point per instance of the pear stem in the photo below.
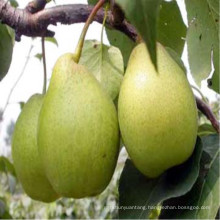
(79, 46)
(103, 23)
(44, 65)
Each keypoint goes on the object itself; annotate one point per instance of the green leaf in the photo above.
(21, 104)
(92, 2)
(206, 129)
(105, 63)
(6, 49)
(51, 40)
(203, 39)
(171, 28)
(137, 190)
(120, 40)
(39, 56)
(143, 15)
(6, 166)
(210, 196)
(14, 3)
(211, 144)
(202, 202)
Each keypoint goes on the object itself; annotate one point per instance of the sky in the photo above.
(32, 79)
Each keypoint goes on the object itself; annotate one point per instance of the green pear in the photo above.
(28, 166)
(157, 112)
(78, 131)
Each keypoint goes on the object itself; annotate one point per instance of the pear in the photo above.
(78, 131)
(27, 163)
(157, 112)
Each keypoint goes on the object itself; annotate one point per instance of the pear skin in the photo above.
(157, 112)
(27, 163)
(78, 132)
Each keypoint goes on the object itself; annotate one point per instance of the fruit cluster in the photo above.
(66, 143)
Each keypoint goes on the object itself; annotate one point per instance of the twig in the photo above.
(44, 65)
(206, 110)
(18, 79)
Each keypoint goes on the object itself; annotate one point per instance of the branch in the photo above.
(26, 23)
(44, 65)
(206, 110)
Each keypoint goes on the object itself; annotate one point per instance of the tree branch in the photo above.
(206, 110)
(35, 25)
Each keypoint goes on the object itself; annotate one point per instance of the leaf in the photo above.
(92, 2)
(143, 15)
(6, 49)
(21, 104)
(39, 56)
(210, 196)
(211, 144)
(206, 129)
(171, 28)
(203, 39)
(6, 166)
(201, 201)
(137, 190)
(51, 40)
(121, 41)
(105, 63)
(14, 3)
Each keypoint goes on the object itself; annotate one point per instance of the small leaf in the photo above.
(92, 2)
(105, 63)
(203, 40)
(206, 129)
(51, 40)
(6, 166)
(6, 49)
(14, 3)
(21, 105)
(137, 190)
(171, 28)
(143, 15)
(39, 56)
